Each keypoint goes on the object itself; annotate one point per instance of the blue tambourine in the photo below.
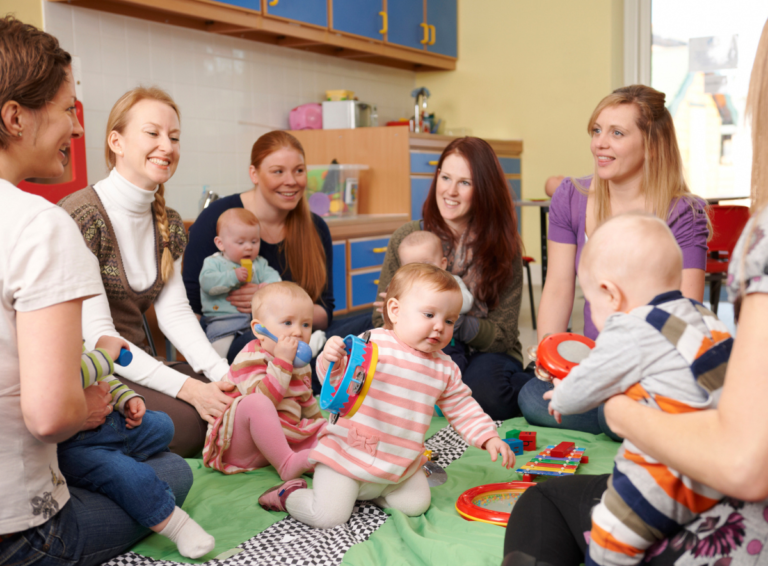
(345, 399)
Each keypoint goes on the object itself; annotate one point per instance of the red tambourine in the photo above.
(491, 503)
(559, 353)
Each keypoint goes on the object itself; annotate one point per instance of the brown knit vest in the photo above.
(126, 305)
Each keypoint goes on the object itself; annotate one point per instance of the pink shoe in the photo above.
(274, 498)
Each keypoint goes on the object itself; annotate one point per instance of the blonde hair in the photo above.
(241, 215)
(118, 120)
(757, 113)
(419, 238)
(304, 250)
(408, 275)
(285, 288)
(663, 180)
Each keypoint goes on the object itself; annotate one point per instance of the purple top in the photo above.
(567, 225)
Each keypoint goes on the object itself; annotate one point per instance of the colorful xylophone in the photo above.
(545, 464)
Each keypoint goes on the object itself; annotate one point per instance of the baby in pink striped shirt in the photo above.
(377, 454)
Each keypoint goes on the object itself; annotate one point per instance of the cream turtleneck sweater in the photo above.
(130, 212)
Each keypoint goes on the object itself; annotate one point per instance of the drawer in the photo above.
(510, 165)
(339, 274)
(424, 162)
(419, 191)
(364, 287)
(367, 253)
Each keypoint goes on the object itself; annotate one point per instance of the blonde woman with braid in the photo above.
(139, 243)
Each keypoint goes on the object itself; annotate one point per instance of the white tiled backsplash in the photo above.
(230, 91)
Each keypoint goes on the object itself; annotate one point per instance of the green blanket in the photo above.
(226, 507)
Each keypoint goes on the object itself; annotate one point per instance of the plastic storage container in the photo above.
(334, 190)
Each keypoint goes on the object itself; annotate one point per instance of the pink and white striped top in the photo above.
(384, 441)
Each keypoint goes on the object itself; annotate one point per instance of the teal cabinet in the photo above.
(359, 17)
(406, 23)
(313, 12)
(254, 5)
(442, 18)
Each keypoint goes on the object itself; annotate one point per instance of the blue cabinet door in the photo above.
(405, 23)
(340, 275)
(516, 190)
(419, 191)
(307, 11)
(442, 15)
(250, 4)
(358, 17)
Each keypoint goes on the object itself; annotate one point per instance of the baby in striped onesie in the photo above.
(659, 348)
(377, 454)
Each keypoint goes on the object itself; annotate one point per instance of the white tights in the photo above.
(331, 500)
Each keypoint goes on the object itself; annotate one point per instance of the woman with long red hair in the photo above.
(469, 207)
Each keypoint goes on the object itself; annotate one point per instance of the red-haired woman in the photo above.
(294, 241)
(470, 208)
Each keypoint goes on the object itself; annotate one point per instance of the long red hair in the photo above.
(303, 249)
(497, 243)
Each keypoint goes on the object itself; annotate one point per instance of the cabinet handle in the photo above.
(426, 34)
(432, 163)
(434, 35)
(375, 281)
(379, 250)
(274, 2)
(384, 26)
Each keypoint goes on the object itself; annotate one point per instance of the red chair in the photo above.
(728, 221)
(527, 261)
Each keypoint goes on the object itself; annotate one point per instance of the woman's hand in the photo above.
(208, 399)
(379, 305)
(98, 399)
(241, 298)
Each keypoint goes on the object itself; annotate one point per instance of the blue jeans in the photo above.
(496, 381)
(218, 327)
(90, 528)
(110, 460)
(536, 411)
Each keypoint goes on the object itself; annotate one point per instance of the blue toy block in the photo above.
(516, 445)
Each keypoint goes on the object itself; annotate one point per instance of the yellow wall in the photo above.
(532, 70)
(28, 11)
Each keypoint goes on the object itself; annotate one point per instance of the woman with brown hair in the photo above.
(45, 275)
(294, 241)
(139, 243)
(469, 207)
(638, 167)
(724, 448)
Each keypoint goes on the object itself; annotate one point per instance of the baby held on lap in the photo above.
(236, 263)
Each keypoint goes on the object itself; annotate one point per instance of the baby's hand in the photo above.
(496, 446)
(286, 348)
(548, 397)
(242, 274)
(134, 412)
(112, 345)
(334, 350)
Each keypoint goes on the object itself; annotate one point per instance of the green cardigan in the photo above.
(498, 332)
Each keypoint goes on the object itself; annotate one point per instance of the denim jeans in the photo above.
(218, 327)
(111, 460)
(536, 411)
(496, 380)
(90, 528)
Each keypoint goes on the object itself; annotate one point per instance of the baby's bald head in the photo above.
(638, 253)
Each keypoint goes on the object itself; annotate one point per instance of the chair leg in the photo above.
(530, 294)
(714, 294)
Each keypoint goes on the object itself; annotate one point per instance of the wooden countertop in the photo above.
(365, 225)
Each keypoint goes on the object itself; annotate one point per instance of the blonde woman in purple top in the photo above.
(637, 168)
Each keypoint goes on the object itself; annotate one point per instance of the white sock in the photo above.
(222, 345)
(190, 538)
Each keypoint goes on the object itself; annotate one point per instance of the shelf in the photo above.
(364, 225)
(213, 17)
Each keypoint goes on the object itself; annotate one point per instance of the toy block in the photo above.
(562, 450)
(515, 444)
(514, 433)
(529, 440)
(585, 459)
(527, 477)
